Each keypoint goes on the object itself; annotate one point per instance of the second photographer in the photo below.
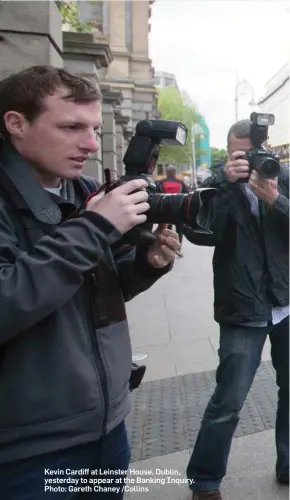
(251, 299)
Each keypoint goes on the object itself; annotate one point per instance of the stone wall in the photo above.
(30, 34)
(277, 101)
(115, 55)
(126, 25)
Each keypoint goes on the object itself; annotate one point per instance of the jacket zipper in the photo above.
(97, 355)
(87, 192)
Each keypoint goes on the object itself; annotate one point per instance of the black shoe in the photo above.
(283, 478)
(206, 495)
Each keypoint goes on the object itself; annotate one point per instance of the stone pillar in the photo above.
(141, 71)
(117, 27)
(88, 55)
(140, 28)
(109, 132)
(121, 122)
(30, 34)
(116, 21)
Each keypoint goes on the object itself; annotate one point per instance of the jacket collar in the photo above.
(32, 194)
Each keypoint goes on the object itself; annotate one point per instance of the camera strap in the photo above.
(91, 187)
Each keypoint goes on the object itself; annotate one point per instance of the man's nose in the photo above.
(91, 143)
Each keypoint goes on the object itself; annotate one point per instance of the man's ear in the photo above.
(15, 124)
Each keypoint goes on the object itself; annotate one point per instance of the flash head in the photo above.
(262, 119)
(167, 132)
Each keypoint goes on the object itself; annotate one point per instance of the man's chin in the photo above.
(74, 173)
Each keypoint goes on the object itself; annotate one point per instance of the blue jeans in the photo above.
(240, 355)
(24, 479)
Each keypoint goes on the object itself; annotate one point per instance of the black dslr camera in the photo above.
(194, 209)
(264, 162)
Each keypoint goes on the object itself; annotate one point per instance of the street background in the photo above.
(173, 324)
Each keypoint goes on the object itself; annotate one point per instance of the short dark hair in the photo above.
(24, 91)
(240, 130)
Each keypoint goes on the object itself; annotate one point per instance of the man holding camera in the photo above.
(250, 264)
(65, 354)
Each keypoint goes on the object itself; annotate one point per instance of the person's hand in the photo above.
(163, 251)
(123, 207)
(264, 189)
(237, 167)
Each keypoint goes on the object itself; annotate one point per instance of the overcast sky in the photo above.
(205, 42)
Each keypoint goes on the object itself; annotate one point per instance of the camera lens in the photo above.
(167, 208)
(194, 209)
(269, 168)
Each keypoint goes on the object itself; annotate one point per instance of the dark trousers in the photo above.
(25, 479)
(240, 355)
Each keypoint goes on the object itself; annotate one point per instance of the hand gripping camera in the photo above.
(263, 161)
(194, 209)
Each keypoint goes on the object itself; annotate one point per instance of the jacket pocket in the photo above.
(236, 301)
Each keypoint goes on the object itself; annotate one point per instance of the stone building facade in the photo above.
(125, 24)
(30, 34)
(277, 101)
(115, 55)
(164, 79)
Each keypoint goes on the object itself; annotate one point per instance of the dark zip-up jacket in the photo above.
(251, 256)
(65, 353)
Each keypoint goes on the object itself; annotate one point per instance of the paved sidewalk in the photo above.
(250, 473)
(172, 323)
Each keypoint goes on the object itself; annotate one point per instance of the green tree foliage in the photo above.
(69, 12)
(218, 156)
(171, 106)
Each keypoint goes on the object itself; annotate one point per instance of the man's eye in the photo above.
(70, 127)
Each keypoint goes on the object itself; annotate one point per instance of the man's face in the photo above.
(238, 144)
(59, 141)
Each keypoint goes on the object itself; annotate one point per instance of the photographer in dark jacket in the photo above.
(251, 301)
(65, 353)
